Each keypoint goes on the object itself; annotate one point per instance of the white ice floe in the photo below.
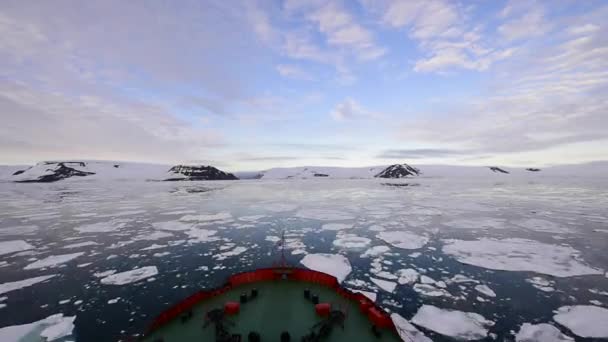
(131, 276)
(542, 226)
(453, 323)
(153, 247)
(335, 264)
(16, 285)
(542, 284)
(114, 300)
(173, 226)
(519, 255)
(323, 215)
(384, 274)
(350, 241)
(405, 240)
(477, 223)
(370, 295)
(81, 244)
(484, 289)
(375, 251)
(234, 252)
(584, 320)
(160, 255)
(201, 235)
(103, 274)
(279, 207)
(414, 255)
(430, 291)
(376, 228)
(272, 238)
(49, 329)
(53, 261)
(152, 236)
(407, 331)
(18, 230)
(427, 280)
(386, 285)
(8, 247)
(542, 332)
(251, 218)
(207, 217)
(461, 278)
(102, 227)
(407, 276)
(337, 226)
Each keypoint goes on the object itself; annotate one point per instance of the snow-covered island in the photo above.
(52, 171)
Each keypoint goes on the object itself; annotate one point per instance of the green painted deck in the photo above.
(280, 306)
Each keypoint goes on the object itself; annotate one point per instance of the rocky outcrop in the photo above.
(398, 171)
(48, 172)
(497, 169)
(198, 172)
(321, 175)
(532, 169)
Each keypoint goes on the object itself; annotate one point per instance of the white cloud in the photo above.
(529, 24)
(292, 71)
(350, 109)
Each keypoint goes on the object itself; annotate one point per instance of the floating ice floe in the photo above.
(16, 285)
(18, 230)
(542, 226)
(272, 238)
(370, 295)
(385, 285)
(484, 289)
(8, 247)
(542, 284)
(407, 276)
(233, 252)
(337, 226)
(173, 226)
(323, 215)
(477, 223)
(453, 323)
(80, 244)
(207, 217)
(251, 218)
(156, 235)
(375, 251)
(427, 280)
(376, 228)
(103, 274)
(431, 291)
(53, 261)
(201, 235)
(350, 241)
(49, 329)
(461, 278)
(404, 240)
(407, 331)
(114, 300)
(542, 332)
(584, 320)
(279, 207)
(102, 227)
(160, 255)
(131, 276)
(519, 255)
(153, 247)
(335, 264)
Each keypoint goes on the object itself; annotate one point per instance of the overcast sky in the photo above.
(247, 85)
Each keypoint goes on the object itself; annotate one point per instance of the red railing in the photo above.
(375, 314)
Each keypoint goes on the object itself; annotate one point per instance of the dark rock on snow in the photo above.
(61, 171)
(398, 171)
(202, 172)
(497, 169)
(320, 175)
(532, 169)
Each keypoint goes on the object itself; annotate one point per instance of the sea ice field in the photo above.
(452, 260)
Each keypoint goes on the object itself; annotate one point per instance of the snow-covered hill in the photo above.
(52, 171)
(128, 171)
